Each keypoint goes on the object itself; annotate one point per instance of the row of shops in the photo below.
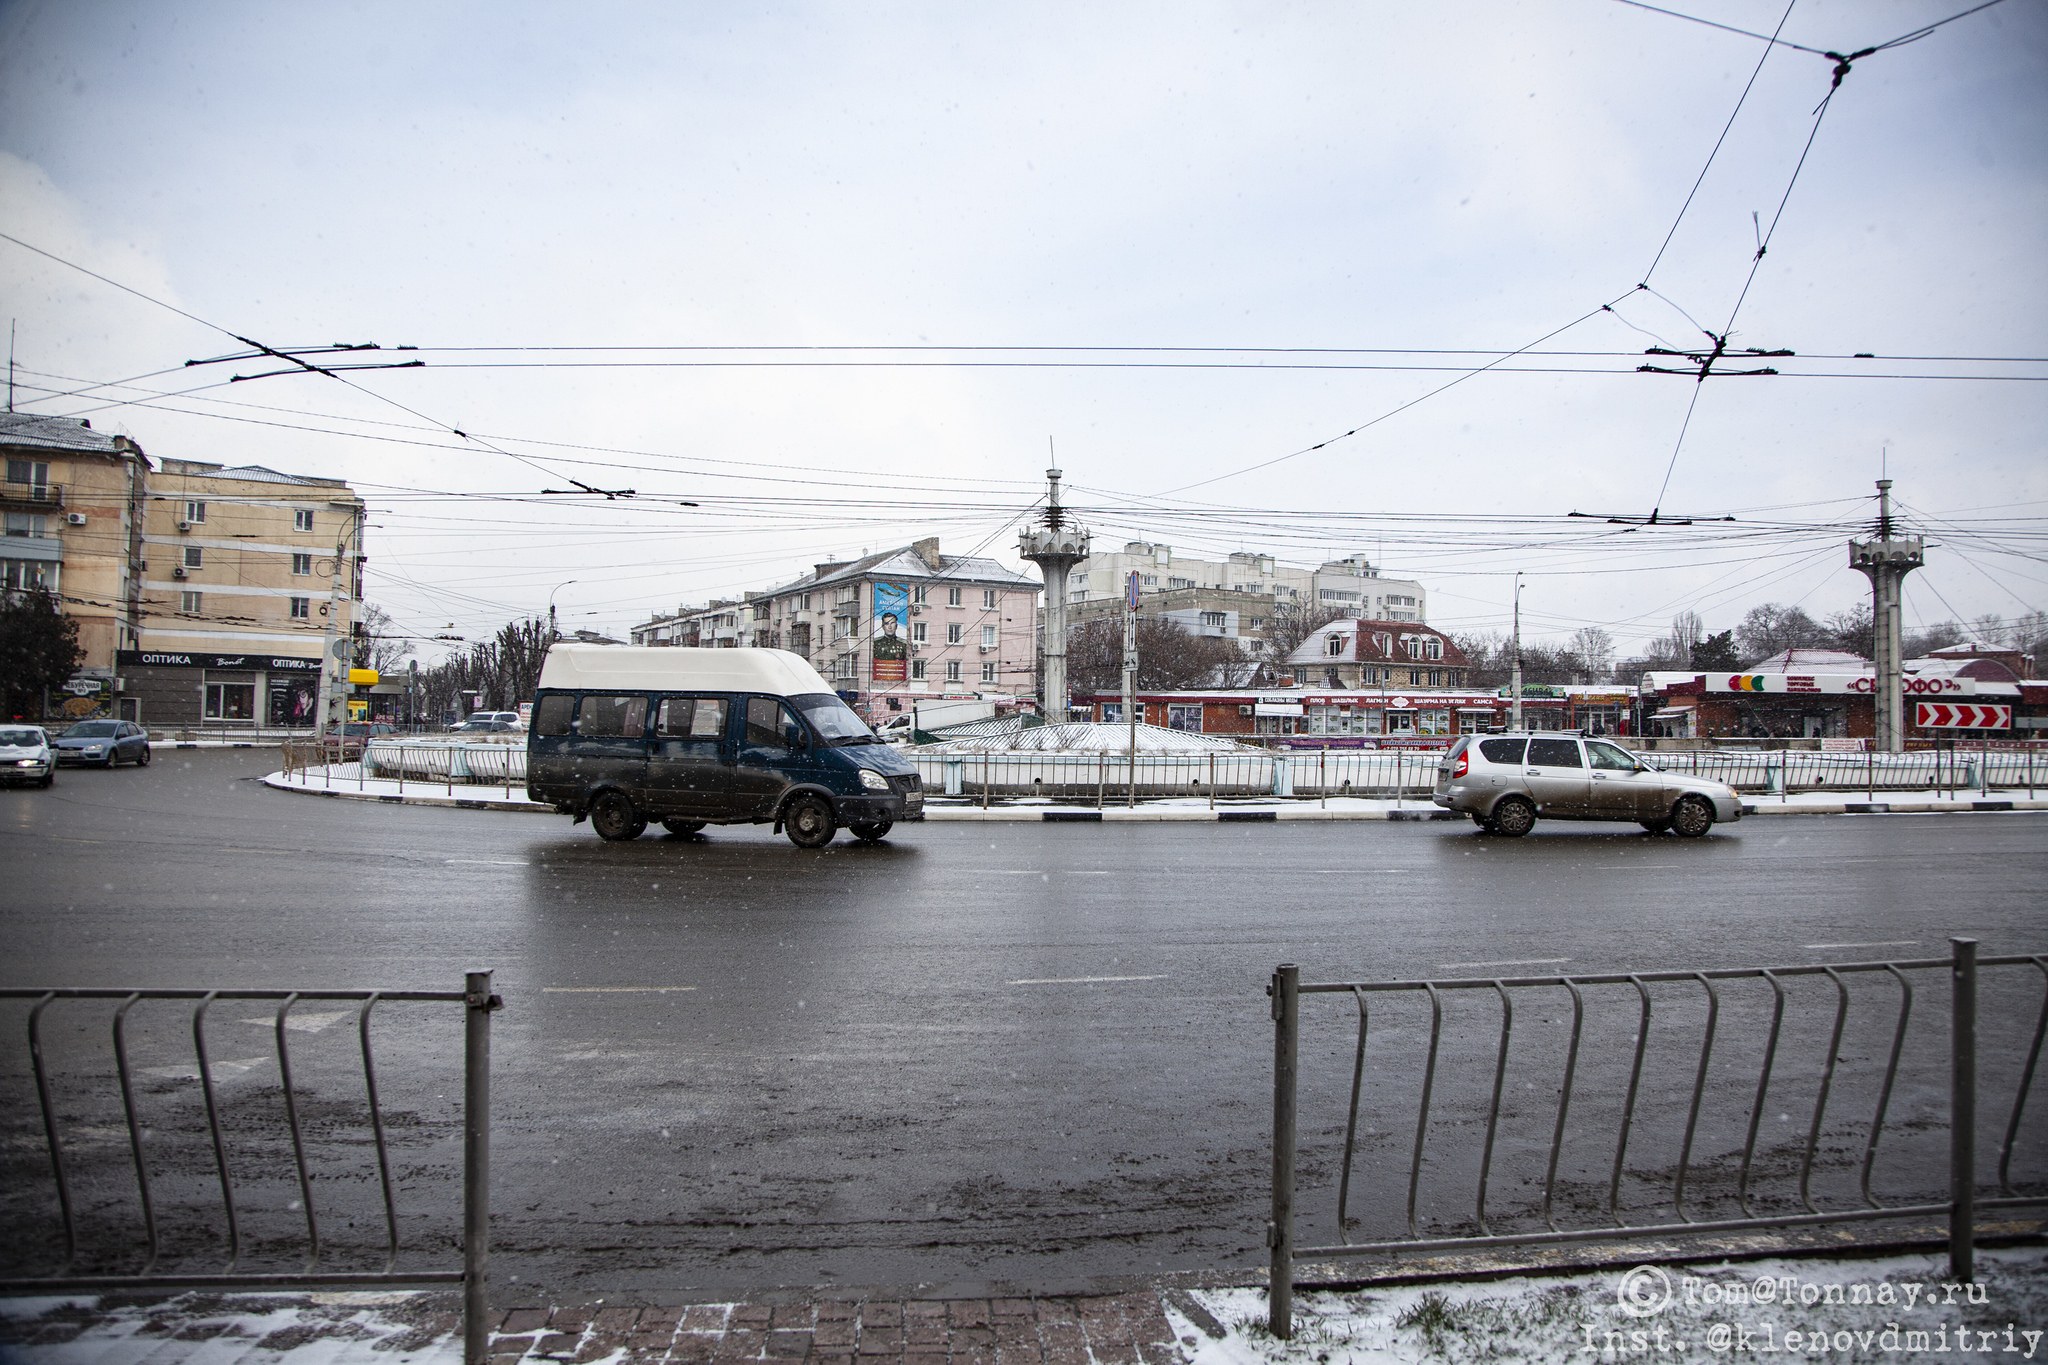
(1380, 718)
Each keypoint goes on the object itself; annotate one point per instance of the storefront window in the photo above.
(1400, 722)
(1433, 723)
(230, 701)
(1188, 718)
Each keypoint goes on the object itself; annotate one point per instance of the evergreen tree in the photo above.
(38, 651)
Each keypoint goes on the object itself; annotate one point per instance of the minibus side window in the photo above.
(690, 718)
(612, 717)
(551, 717)
(770, 725)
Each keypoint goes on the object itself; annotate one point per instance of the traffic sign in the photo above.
(1952, 715)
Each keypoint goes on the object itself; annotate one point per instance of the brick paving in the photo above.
(1120, 1329)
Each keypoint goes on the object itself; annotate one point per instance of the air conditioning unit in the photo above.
(178, 572)
(986, 648)
(916, 610)
(1244, 710)
(184, 526)
(76, 518)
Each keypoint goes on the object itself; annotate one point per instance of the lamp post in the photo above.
(553, 634)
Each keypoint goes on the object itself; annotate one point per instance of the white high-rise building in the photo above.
(1353, 586)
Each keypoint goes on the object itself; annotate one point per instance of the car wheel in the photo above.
(1513, 817)
(1655, 826)
(49, 779)
(871, 831)
(142, 760)
(613, 817)
(808, 821)
(1692, 817)
(682, 826)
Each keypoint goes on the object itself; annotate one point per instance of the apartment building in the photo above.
(73, 503)
(904, 623)
(1350, 585)
(236, 595)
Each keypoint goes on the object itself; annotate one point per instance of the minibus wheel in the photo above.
(613, 817)
(871, 831)
(808, 821)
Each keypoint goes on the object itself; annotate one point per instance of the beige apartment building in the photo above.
(241, 567)
(73, 506)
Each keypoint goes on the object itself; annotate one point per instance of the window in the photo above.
(1184, 717)
(988, 599)
(1172, 583)
(988, 673)
(26, 524)
(804, 602)
(1436, 677)
(29, 573)
(917, 670)
(194, 557)
(770, 725)
(1415, 677)
(918, 633)
(1149, 581)
(1433, 648)
(1112, 712)
(230, 701)
(761, 611)
(551, 715)
(1215, 618)
(846, 667)
(1078, 582)
(917, 594)
(34, 473)
(1400, 722)
(191, 603)
(1383, 641)
(988, 637)
(1554, 753)
(1258, 623)
(1609, 757)
(1433, 722)
(1301, 677)
(302, 519)
(612, 717)
(195, 512)
(302, 607)
(1333, 595)
(952, 597)
(953, 671)
(1333, 645)
(953, 633)
(1506, 751)
(1412, 644)
(302, 564)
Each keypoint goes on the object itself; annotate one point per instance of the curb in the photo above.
(385, 798)
(1900, 807)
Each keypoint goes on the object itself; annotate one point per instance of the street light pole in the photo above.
(1515, 680)
(330, 659)
(553, 634)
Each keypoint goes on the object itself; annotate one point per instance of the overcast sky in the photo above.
(1367, 187)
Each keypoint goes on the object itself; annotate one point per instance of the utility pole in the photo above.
(1515, 675)
(1131, 678)
(332, 669)
(1886, 560)
(1055, 546)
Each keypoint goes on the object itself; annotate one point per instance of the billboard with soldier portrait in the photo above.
(889, 648)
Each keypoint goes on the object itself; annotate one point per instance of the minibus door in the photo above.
(686, 771)
(610, 748)
(769, 755)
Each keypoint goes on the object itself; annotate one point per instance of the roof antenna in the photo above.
(11, 323)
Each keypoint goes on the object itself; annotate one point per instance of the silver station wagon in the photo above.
(1506, 782)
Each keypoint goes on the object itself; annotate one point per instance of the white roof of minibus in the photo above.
(773, 671)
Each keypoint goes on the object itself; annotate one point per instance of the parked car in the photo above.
(105, 742)
(1506, 782)
(487, 723)
(25, 755)
(346, 741)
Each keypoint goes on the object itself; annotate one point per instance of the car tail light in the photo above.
(1464, 765)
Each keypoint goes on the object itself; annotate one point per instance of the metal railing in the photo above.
(230, 1233)
(1594, 1180)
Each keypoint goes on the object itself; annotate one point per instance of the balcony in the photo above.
(43, 497)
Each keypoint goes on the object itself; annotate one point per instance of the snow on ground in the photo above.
(1901, 1308)
(321, 1329)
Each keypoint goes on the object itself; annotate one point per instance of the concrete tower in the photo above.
(1055, 545)
(1886, 561)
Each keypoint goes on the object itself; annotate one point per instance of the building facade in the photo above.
(73, 499)
(1361, 653)
(905, 624)
(240, 582)
(1353, 585)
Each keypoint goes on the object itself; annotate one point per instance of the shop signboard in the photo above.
(273, 663)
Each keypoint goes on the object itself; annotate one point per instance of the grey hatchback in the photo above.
(1504, 782)
(105, 742)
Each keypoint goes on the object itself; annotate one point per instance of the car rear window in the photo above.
(1555, 753)
(1503, 750)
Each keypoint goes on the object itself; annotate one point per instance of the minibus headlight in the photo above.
(873, 780)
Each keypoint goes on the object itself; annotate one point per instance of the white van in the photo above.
(693, 737)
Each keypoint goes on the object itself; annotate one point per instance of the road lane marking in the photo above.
(1079, 980)
(591, 990)
(219, 1067)
(485, 862)
(1521, 962)
(303, 1023)
(1887, 943)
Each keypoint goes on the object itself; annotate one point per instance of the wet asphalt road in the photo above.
(1016, 1054)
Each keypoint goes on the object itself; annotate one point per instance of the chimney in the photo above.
(928, 551)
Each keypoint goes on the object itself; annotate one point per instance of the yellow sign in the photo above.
(362, 677)
(358, 710)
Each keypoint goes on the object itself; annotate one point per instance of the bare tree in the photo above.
(1595, 650)
(378, 642)
(1292, 624)
(504, 669)
(1853, 631)
(1772, 629)
(1687, 630)
(1170, 658)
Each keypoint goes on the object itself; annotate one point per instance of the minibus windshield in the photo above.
(834, 720)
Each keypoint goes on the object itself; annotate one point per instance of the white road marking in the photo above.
(1079, 980)
(590, 990)
(1887, 943)
(218, 1068)
(485, 862)
(1521, 962)
(303, 1023)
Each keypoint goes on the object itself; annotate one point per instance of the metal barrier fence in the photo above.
(1929, 770)
(1536, 1141)
(143, 1132)
(1106, 778)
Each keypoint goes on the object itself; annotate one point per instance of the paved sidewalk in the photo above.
(1123, 1329)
